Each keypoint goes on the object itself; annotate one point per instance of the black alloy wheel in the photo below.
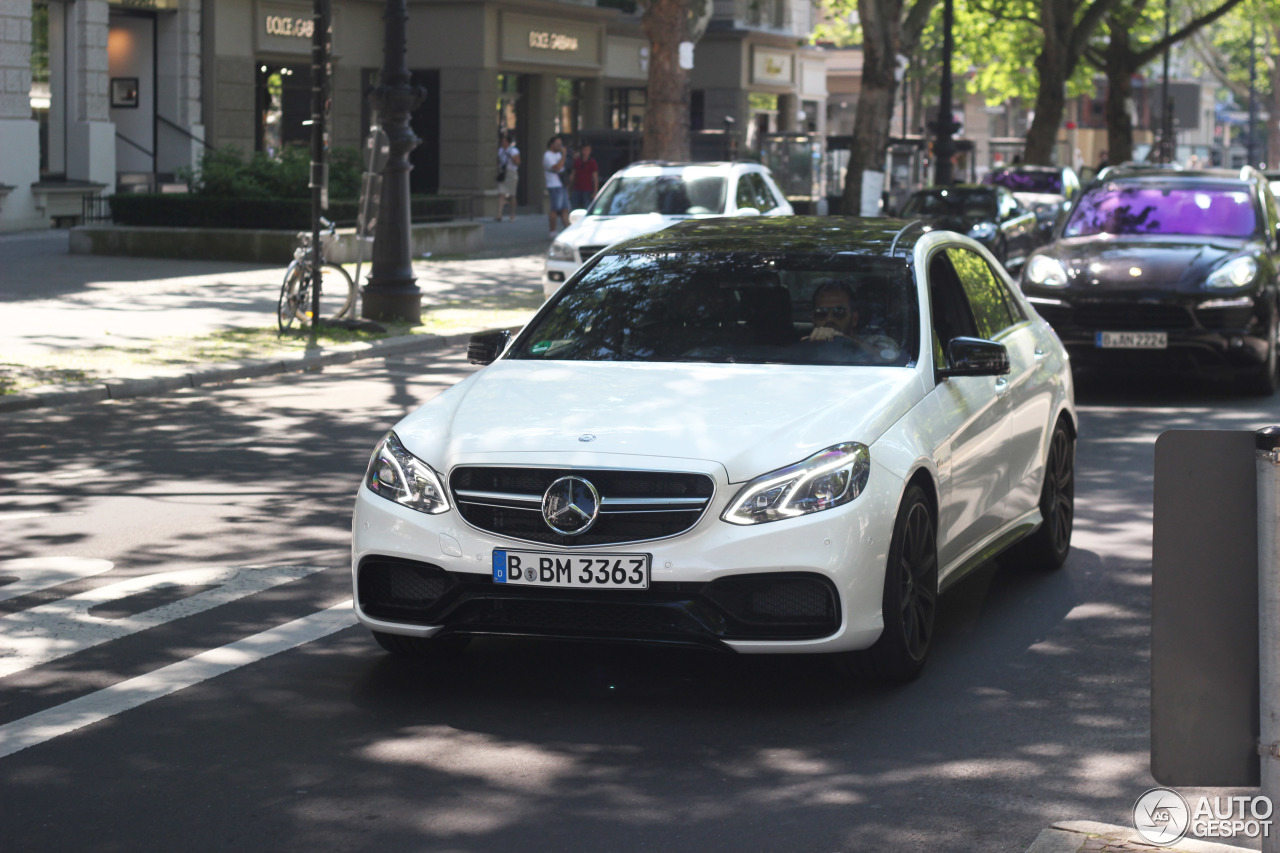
(910, 594)
(1047, 548)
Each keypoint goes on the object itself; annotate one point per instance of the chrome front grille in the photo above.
(635, 506)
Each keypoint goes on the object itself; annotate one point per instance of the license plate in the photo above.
(1132, 340)
(581, 571)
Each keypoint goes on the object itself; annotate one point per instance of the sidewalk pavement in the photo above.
(58, 307)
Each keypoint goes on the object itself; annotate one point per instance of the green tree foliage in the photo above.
(1223, 50)
(1136, 37)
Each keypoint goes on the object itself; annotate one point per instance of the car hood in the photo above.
(1145, 263)
(750, 419)
(607, 230)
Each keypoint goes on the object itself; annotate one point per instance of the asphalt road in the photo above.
(178, 671)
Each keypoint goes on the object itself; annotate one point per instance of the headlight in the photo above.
(562, 252)
(1236, 273)
(982, 231)
(1042, 269)
(830, 478)
(398, 475)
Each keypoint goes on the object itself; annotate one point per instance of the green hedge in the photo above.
(179, 210)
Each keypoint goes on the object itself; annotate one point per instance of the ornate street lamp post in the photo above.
(391, 294)
(945, 147)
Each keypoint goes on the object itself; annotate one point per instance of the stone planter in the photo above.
(258, 246)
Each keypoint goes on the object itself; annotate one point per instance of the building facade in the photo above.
(101, 96)
(95, 93)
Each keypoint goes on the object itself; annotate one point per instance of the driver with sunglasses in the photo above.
(836, 319)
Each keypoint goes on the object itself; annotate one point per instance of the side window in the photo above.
(952, 317)
(985, 293)
(764, 195)
(746, 195)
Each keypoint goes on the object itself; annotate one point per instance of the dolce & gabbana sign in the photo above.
(551, 41)
(286, 27)
(775, 67)
(548, 41)
(289, 26)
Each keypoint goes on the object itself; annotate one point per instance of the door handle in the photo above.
(1040, 354)
(1002, 383)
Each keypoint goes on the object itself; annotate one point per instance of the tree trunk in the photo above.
(666, 120)
(1121, 66)
(881, 39)
(1054, 65)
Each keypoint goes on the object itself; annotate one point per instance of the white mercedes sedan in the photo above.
(760, 436)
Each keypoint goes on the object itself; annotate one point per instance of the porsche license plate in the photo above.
(1132, 340)
(581, 571)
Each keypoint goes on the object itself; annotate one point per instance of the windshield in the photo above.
(1193, 211)
(731, 307)
(693, 192)
(1027, 182)
(971, 205)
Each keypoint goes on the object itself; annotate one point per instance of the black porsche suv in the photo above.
(1162, 269)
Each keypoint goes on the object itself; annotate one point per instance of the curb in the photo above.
(124, 389)
(1077, 836)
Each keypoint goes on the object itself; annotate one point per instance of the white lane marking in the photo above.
(60, 628)
(37, 573)
(118, 698)
(23, 516)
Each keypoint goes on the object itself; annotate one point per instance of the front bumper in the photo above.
(808, 584)
(555, 274)
(1229, 333)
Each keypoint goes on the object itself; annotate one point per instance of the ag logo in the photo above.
(570, 506)
(1161, 816)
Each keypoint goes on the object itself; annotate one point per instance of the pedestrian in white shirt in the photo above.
(552, 166)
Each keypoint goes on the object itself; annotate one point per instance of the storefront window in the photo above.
(284, 107)
(766, 13)
(626, 108)
(568, 105)
(764, 113)
(48, 97)
(508, 100)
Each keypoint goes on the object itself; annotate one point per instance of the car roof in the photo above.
(872, 237)
(1028, 167)
(675, 164)
(1174, 177)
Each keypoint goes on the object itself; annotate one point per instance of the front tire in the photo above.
(293, 293)
(1047, 548)
(910, 594)
(1267, 379)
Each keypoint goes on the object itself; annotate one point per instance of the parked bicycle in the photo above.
(337, 290)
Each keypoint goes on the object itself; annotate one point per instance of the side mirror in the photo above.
(975, 357)
(746, 211)
(485, 347)
(576, 216)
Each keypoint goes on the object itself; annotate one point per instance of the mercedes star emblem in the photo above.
(570, 506)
